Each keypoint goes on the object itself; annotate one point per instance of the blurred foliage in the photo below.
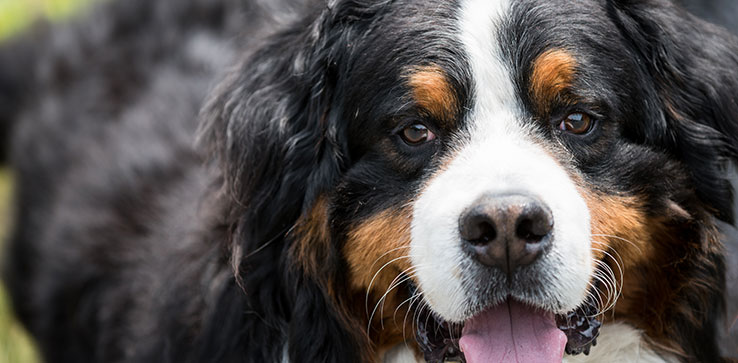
(16, 15)
(15, 344)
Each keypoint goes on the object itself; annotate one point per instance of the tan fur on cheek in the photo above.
(377, 254)
(618, 223)
(552, 73)
(433, 92)
(379, 242)
(313, 238)
(621, 239)
(666, 261)
(383, 239)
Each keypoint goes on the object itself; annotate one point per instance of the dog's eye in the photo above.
(417, 134)
(577, 123)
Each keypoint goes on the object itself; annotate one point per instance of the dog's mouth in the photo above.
(511, 331)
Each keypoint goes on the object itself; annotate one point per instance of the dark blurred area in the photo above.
(721, 12)
(725, 13)
(106, 54)
(730, 333)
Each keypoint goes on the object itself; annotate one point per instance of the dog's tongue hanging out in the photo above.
(512, 332)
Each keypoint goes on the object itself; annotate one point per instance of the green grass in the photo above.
(15, 344)
(16, 15)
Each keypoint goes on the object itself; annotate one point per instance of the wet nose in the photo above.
(507, 231)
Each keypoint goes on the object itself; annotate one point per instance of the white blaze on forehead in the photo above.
(497, 156)
(480, 26)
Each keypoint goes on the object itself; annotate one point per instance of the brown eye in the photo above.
(417, 134)
(576, 123)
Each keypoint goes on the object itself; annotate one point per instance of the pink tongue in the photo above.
(512, 332)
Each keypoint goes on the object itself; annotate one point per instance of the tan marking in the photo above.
(552, 73)
(617, 222)
(375, 242)
(657, 254)
(433, 92)
(310, 251)
(375, 239)
(313, 238)
(381, 242)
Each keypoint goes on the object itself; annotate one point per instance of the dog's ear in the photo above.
(689, 84)
(274, 129)
(690, 67)
(267, 127)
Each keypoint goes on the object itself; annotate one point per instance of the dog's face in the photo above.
(486, 154)
(469, 173)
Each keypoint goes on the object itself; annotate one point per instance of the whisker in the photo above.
(619, 238)
(619, 264)
(407, 274)
(613, 285)
(371, 282)
(380, 302)
(410, 272)
(611, 292)
(416, 299)
(593, 289)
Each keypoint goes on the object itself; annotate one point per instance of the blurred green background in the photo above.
(15, 345)
(15, 16)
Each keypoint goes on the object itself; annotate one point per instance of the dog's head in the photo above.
(468, 158)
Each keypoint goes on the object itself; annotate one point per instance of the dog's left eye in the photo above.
(417, 134)
(577, 123)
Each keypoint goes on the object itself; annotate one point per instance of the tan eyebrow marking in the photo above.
(433, 92)
(552, 73)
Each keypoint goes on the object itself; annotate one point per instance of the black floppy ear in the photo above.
(268, 127)
(693, 71)
(274, 129)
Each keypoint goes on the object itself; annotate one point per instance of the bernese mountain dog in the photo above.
(373, 181)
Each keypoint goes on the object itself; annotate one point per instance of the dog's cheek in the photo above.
(651, 257)
(622, 242)
(377, 255)
(312, 239)
(377, 250)
(618, 223)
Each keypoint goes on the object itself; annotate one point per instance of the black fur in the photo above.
(16, 62)
(694, 93)
(133, 245)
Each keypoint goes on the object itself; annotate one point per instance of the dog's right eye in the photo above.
(417, 134)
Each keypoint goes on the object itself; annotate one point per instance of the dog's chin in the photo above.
(509, 331)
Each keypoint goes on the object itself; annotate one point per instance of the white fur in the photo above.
(622, 344)
(499, 156)
(401, 354)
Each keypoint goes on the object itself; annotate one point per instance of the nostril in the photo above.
(534, 224)
(477, 228)
(485, 233)
(526, 231)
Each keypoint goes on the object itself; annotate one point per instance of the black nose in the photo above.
(507, 231)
